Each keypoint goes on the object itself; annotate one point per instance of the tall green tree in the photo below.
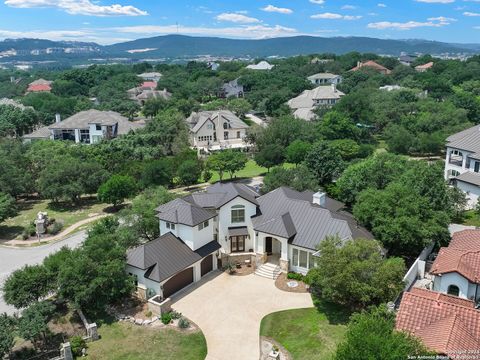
(6, 334)
(270, 155)
(189, 172)
(116, 189)
(372, 335)
(350, 273)
(7, 206)
(324, 162)
(297, 151)
(33, 325)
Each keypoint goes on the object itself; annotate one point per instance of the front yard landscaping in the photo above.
(13, 228)
(471, 218)
(308, 334)
(125, 341)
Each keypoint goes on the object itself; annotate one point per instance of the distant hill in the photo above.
(179, 45)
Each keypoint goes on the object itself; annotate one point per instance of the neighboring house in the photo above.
(230, 221)
(462, 163)
(325, 79)
(147, 90)
(446, 324)
(371, 65)
(213, 65)
(87, 127)
(216, 130)
(262, 65)
(40, 85)
(317, 60)
(407, 60)
(424, 67)
(151, 76)
(14, 103)
(456, 269)
(231, 89)
(303, 106)
(390, 87)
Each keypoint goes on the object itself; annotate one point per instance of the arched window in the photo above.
(238, 214)
(453, 290)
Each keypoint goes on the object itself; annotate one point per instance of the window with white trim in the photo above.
(203, 225)
(170, 225)
(238, 214)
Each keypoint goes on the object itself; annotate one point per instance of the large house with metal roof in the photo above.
(216, 130)
(230, 222)
(303, 105)
(462, 163)
(86, 127)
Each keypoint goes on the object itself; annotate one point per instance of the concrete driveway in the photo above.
(229, 309)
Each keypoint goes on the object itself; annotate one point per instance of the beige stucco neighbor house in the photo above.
(325, 79)
(303, 105)
(216, 130)
(231, 222)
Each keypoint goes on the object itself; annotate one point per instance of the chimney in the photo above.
(358, 63)
(58, 118)
(334, 88)
(319, 198)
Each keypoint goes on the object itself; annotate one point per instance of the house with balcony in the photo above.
(230, 223)
(86, 127)
(325, 79)
(216, 130)
(304, 105)
(462, 163)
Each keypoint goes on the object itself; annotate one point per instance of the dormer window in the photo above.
(203, 225)
(225, 125)
(170, 225)
(98, 127)
(238, 214)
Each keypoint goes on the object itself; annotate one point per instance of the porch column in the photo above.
(464, 160)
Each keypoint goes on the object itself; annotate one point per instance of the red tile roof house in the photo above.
(446, 324)
(424, 67)
(371, 65)
(456, 269)
(40, 85)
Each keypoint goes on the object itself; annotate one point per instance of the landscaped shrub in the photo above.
(175, 314)
(166, 318)
(295, 276)
(77, 343)
(55, 228)
(183, 323)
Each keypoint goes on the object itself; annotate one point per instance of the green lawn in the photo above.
(124, 341)
(250, 170)
(27, 211)
(470, 217)
(308, 334)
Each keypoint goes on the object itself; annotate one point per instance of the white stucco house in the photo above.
(325, 79)
(86, 127)
(462, 163)
(231, 222)
(456, 269)
(262, 65)
(216, 130)
(303, 105)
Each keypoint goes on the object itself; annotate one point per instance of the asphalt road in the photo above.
(13, 259)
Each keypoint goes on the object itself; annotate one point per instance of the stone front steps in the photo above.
(269, 271)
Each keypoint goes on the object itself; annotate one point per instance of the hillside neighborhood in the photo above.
(162, 201)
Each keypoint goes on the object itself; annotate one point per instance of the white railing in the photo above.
(417, 270)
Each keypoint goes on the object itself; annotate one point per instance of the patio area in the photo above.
(229, 309)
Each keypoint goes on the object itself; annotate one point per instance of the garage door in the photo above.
(206, 265)
(178, 282)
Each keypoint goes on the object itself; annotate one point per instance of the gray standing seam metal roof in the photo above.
(166, 256)
(219, 194)
(180, 211)
(196, 120)
(468, 139)
(238, 231)
(469, 177)
(288, 214)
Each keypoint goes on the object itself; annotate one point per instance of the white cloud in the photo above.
(348, 7)
(79, 7)
(237, 18)
(271, 8)
(468, 13)
(244, 31)
(381, 5)
(436, 1)
(318, 2)
(431, 22)
(334, 16)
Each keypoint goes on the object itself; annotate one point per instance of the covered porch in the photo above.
(272, 249)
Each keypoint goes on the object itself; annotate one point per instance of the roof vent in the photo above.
(319, 198)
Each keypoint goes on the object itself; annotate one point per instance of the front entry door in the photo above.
(268, 245)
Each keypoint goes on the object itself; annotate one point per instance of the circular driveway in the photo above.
(229, 309)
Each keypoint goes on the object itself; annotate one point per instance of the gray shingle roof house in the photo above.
(216, 130)
(304, 104)
(228, 220)
(462, 163)
(232, 89)
(89, 127)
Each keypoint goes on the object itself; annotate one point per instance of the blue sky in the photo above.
(109, 21)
